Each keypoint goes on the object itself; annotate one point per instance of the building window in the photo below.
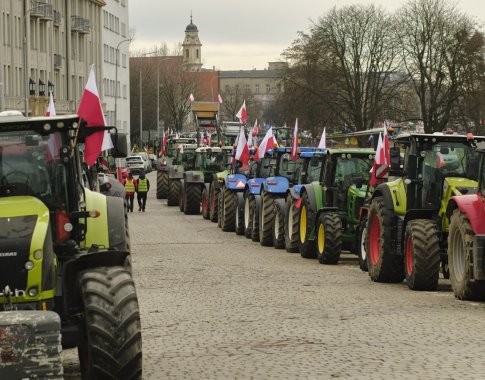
(268, 87)
(186, 53)
(125, 91)
(257, 88)
(123, 60)
(246, 88)
(197, 53)
(227, 88)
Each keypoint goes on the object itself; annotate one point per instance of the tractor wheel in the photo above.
(239, 219)
(162, 185)
(220, 207)
(192, 199)
(422, 255)
(306, 246)
(248, 219)
(229, 211)
(383, 265)
(213, 203)
(460, 256)
(182, 197)
(266, 216)
(361, 244)
(329, 238)
(173, 193)
(292, 230)
(112, 348)
(255, 218)
(205, 204)
(279, 224)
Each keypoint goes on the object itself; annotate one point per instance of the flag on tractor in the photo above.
(253, 133)
(241, 114)
(242, 150)
(219, 99)
(164, 143)
(91, 111)
(323, 140)
(266, 145)
(51, 111)
(294, 142)
(380, 169)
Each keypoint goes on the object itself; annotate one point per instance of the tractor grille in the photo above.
(15, 239)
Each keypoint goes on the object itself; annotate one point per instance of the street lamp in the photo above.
(116, 79)
(141, 99)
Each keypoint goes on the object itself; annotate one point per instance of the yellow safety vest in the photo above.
(130, 186)
(142, 186)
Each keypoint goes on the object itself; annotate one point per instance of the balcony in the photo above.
(57, 61)
(57, 18)
(41, 10)
(80, 24)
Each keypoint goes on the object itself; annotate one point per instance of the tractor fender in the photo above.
(311, 196)
(240, 201)
(235, 182)
(474, 209)
(254, 185)
(194, 177)
(97, 229)
(276, 185)
(281, 204)
(295, 191)
(117, 224)
(383, 191)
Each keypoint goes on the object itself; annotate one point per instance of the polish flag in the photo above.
(241, 114)
(191, 98)
(164, 143)
(323, 141)
(219, 99)
(294, 142)
(380, 169)
(251, 134)
(51, 111)
(266, 145)
(242, 150)
(386, 147)
(91, 111)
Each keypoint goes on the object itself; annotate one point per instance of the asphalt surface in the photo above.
(215, 305)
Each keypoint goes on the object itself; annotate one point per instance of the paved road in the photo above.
(218, 306)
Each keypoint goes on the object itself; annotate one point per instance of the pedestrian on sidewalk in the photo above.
(130, 188)
(142, 190)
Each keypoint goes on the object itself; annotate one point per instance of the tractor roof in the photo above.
(436, 138)
(207, 149)
(358, 151)
(183, 140)
(13, 121)
(188, 146)
(315, 153)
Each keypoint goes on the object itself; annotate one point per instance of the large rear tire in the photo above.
(329, 238)
(266, 216)
(248, 210)
(279, 224)
(422, 255)
(162, 185)
(205, 204)
(113, 346)
(228, 221)
(213, 203)
(384, 265)
(307, 247)
(460, 255)
(292, 230)
(173, 193)
(239, 218)
(192, 198)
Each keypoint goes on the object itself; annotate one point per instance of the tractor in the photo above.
(66, 248)
(165, 162)
(330, 207)
(184, 159)
(408, 219)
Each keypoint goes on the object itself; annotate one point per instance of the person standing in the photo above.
(142, 190)
(130, 188)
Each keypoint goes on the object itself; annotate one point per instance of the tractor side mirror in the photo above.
(472, 166)
(395, 153)
(120, 145)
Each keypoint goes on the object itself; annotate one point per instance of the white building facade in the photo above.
(116, 71)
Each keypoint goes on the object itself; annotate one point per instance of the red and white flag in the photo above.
(380, 169)
(191, 98)
(266, 145)
(219, 99)
(252, 133)
(241, 114)
(323, 141)
(164, 143)
(91, 111)
(294, 142)
(242, 150)
(51, 111)
(386, 149)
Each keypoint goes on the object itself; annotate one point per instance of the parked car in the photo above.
(135, 164)
(146, 161)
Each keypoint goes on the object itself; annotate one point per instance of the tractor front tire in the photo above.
(383, 264)
(266, 216)
(113, 346)
(279, 224)
(460, 255)
(173, 193)
(329, 238)
(292, 230)
(307, 247)
(213, 203)
(248, 211)
(422, 255)
(229, 211)
(255, 218)
(162, 185)
(239, 219)
(192, 199)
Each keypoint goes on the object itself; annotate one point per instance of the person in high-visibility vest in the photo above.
(130, 189)
(142, 190)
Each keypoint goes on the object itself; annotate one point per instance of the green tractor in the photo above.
(408, 219)
(330, 207)
(165, 162)
(184, 159)
(65, 248)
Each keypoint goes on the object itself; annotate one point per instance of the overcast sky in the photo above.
(242, 34)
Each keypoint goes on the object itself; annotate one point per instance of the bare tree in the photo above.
(436, 49)
(233, 97)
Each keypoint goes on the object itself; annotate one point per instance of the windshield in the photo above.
(287, 167)
(134, 159)
(350, 168)
(313, 171)
(30, 165)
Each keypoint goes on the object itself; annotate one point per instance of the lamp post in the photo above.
(116, 79)
(141, 98)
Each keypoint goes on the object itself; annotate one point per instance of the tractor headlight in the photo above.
(38, 254)
(68, 227)
(29, 265)
(33, 292)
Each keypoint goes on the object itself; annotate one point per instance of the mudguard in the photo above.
(311, 196)
(254, 185)
(396, 203)
(295, 191)
(97, 232)
(473, 207)
(194, 177)
(235, 182)
(276, 185)
(117, 224)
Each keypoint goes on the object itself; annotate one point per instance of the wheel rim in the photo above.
(321, 238)
(409, 255)
(303, 224)
(458, 255)
(277, 226)
(363, 251)
(246, 213)
(375, 240)
(290, 221)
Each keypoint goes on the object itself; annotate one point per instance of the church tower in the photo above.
(192, 48)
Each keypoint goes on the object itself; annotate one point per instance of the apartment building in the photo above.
(47, 46)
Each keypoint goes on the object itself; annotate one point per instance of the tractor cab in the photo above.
(311, 166)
